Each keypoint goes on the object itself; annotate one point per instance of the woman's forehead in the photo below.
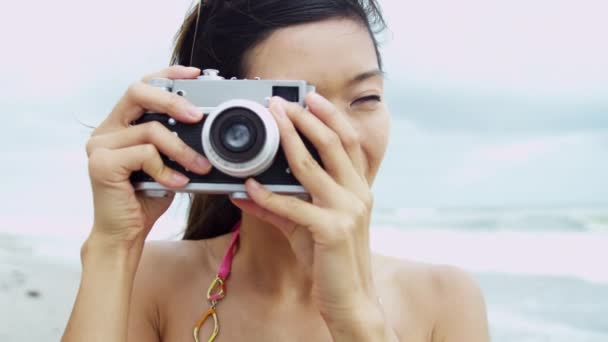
(331, 51)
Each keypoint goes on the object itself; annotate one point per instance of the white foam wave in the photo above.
(571, 254)
(498, 219)
(567, 253)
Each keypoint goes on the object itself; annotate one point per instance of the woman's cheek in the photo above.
(374, 130)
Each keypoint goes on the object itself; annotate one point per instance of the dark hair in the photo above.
(227, 30)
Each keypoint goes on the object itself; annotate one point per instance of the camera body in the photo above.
(238, 135)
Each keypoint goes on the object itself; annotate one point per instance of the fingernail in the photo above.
(179, 179)
(191, 68)
(194, 111)
(278, 108)
(315, 98)
(315, 95)
(202, 163)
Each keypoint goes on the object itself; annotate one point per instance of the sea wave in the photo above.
(568, 254)
(497, 219)
(516, 244)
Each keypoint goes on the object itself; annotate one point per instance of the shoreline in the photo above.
(37, 292)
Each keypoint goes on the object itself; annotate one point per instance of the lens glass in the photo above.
(238, 135)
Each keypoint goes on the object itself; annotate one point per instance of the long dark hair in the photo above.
(227, 30)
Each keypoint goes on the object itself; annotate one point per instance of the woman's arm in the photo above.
(329, 235)
(370, 324)
(102, 304)
(116, 296)
(122, 217)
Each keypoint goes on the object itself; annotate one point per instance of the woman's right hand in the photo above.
(124, 217)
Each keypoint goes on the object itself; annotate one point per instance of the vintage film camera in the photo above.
(237, 134)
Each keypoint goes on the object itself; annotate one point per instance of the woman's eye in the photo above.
(368, 100)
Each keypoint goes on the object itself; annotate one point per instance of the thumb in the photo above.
(249, 207)
(299, 239)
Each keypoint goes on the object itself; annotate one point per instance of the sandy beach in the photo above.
(528, 300)
(36, 293)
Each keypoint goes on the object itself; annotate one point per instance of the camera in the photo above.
(238, 135)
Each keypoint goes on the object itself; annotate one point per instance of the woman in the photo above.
(303, 270)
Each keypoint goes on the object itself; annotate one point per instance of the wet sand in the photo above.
(36, 293)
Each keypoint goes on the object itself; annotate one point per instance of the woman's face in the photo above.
(338, 57)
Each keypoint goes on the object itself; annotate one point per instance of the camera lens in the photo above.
(237, 135)
(240, 138)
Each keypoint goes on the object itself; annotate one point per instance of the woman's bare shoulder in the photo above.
(164, 267)
(410, 285)
(165, 263)
(447, 295)
(420, 276)
(172, 251)
(170, 262)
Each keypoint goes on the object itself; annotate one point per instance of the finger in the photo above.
(115, 166)
(174, 72)
(141, 97)
(289, 207)
(284, 225)
(301, 240)
(339, 123)
(305, 168)
(158, 135)
(327, 142)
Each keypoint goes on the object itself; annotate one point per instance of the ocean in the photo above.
(543, 271)
(440, 198)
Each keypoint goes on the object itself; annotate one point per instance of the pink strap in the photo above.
(226, 265)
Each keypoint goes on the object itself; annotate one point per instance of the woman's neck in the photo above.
(266, 262)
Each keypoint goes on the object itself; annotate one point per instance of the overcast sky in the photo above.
(517, 66)
(494, 103)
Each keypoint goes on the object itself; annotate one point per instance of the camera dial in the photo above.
(210, 74)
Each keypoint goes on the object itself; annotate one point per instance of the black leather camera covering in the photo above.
(191, 135)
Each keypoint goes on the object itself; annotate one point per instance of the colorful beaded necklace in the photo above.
(217, 289)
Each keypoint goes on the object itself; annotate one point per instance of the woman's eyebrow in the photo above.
(366, 75)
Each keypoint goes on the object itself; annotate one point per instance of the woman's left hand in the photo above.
(330, 234)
